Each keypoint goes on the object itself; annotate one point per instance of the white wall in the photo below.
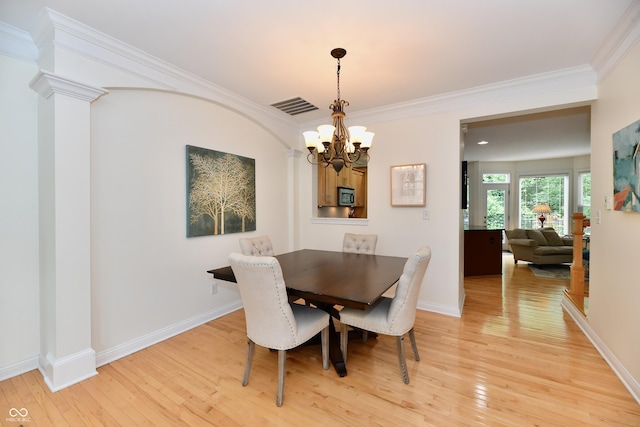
(19, 286)
(401, 230)
(146, 274)
(614, 291)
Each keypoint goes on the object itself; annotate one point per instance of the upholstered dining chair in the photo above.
(260, 245)
(360, 243)
(271, 320)
(392, 316)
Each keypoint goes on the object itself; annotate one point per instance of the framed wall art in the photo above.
(221, 192)
(626, 168)
(409, 185)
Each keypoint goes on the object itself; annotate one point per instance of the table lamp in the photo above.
(541, 208)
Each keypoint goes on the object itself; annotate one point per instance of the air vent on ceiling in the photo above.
(294, 106)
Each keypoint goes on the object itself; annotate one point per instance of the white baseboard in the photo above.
(68, 370)
(127, 348)
(61, 373)
(19, 368)
(629, 382)
(440, 309)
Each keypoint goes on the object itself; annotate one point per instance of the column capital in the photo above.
(293, 153)
(46, 84)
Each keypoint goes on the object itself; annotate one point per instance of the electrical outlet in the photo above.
(214, 288)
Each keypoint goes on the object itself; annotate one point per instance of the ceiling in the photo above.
(271, 51)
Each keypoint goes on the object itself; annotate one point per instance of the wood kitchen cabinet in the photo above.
(351, 177)
(359, 184)
(327, 187)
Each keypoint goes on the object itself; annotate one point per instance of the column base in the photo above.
(68, 370)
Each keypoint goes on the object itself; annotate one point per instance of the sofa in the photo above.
(540, 246)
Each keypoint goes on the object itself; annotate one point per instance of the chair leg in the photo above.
(401, 359)
(324, 338)
(247, 367)
(344, 338)
(412, 336)
(282, 358)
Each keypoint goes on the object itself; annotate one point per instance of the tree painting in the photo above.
(221, 193)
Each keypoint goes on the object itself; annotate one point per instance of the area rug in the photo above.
(552, 271)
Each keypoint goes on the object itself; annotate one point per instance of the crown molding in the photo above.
(150, 72)
(17, 43)
(625, 35)
(566, 80)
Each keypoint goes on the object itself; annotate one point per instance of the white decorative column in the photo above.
(293, 208)
(64, 115)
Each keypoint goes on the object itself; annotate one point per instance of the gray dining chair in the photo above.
(260, 245)
(392, 316)
(271, 320)
(360, 243)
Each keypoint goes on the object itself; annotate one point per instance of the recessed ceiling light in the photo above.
(482, 143)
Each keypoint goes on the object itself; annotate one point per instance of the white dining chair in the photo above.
(260, 245)
(271, 320)
(360, 243)
(392, 316)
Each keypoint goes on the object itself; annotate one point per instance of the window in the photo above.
(549, 189)
(495, 187)
(584, 193)
(496, 178)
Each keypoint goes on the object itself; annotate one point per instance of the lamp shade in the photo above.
(356, 133)
(326, 132)
(541, 208)
(311, 138)
(367, 138)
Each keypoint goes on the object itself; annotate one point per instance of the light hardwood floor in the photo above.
(513, 359)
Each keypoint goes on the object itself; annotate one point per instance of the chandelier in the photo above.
(334, 144)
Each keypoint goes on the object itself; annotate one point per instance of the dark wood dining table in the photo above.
(328, 279)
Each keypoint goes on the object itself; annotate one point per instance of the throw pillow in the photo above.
(552, 237)
(537, 237)
(518, 233)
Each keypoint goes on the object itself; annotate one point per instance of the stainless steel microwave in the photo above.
(346, 196)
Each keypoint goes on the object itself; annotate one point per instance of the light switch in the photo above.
(425, 214)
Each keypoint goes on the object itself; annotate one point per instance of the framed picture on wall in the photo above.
(221, 192)
(626, 163)
(409, 185)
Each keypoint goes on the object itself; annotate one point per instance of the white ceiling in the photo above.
(270, 51)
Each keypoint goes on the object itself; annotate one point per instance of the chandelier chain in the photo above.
(338, 74)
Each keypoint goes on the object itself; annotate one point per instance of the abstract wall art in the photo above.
(626, 168)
